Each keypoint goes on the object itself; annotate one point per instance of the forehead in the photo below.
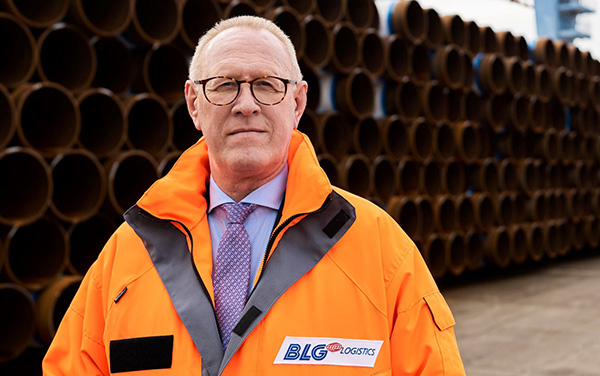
(245, 51)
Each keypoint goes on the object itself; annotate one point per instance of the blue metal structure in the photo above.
(556, 19)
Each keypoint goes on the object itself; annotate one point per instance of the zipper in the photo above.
(279, 228)
(150, 217)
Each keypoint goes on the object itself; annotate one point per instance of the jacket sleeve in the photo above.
(78, 347)
(422, 339)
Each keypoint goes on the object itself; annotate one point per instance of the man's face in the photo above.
(246, 138)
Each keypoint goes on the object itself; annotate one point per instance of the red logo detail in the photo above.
(334, 346)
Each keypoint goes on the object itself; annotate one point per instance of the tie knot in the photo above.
(237, 213)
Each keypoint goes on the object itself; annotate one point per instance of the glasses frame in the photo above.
(239, 88)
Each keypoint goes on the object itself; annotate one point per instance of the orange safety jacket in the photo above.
(342, 290)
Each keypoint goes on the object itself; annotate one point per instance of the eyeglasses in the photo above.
(222, 90)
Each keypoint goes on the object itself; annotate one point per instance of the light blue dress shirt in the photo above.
(259, 223)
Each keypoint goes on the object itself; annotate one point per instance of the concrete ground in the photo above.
(530, 320)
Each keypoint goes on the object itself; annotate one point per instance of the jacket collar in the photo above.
(181, 194)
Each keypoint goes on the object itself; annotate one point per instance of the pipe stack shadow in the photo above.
(484, 148)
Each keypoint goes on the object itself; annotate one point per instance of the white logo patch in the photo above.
(328, 351)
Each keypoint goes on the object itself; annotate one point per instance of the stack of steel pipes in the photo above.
(484, 148)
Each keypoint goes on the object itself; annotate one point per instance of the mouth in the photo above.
(245, 131)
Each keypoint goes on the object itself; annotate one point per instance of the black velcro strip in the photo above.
(336, 224)
(246, 320)
(138, 354)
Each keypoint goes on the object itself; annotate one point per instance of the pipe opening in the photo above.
(397, 58)
(157, 19)
(455, 30)
(436, 256)
(407, 213)
(185, 133)
(39, 14)
(469, 72)
(474, 248)
(529, 78)
(79, 185)
(193, 27)
(408, 175)
(444, 141)
(457, 254)
(420, 62)
(149, 124)
(44, 241)
(19, 53)
(454, 178)
(87, 240)
(435, 102)
(357, 172)
(471, 106)
(421, 139)
(407, 99)
(318, 42)
(167, 162)
(426, 216)
(129, 177)
(384, 178)
(454, 98)
(446, 215)
(114, 69)
(407, 19)
(489, 40)
(301, 6)
(519, 245)
(329, 165)
(335, 137)
(50, 120)
(395, 137)
(167, 71)
(367, 137)
(78, 70)
(102, 123)
(507, 43)
(467, 142)
(432, 181)
(359, 12)
(362, 94)
(345, 46)
(372, 53)
(7, 117)
(289, 21)
(466, 213)
(331, 10)
(17, 322)
(109, 17)
(472, 37)
(28, 184)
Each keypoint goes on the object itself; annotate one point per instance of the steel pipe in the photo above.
(543, 52)
(537, 114)
(518, 109)
(498, 247)
(469, 76)
(536, 207)
(53, 303)
(193, 27)
(329, 164)
(396, 57)
(402, 98)
(103, 124)
(75, 73)
(345, 48)
(408, 175)
(592, 231)
(514, 75)
(161, 70)
(354, 94)
(521, 47)
(466, 136)
(454, 30)
(484, 211)
(578, 238)
(36, 253)
(465, 212)
(17, 320)
(20, 56)
(37, 15)
(474, 249)
(553, 239)
(447, 66)
(507, 175)
(360, 13)
(334, 134)
(406, 19)
(472, 37)
(114, 69)
(425, 207)
(443, 141)
(421, 139)
(319, 41)
(483, 176)
(433, 101)
(435, 34)
(489, 40)
(519, 244)
(371, 52)
(154, 22)
(102, 18)
(354, 173)
(506, 42)
(406, 213)
(129, 175)
(529, 78)
(367, 137)
(314, 82)
(240, 8)
(454, 181)
(303, 7)
(444, 214)
(48, 117)
(543, 82)
(562, 83)
(27, 188)
(167, 162)
(435, 255)
(496, 110)
(503, 208)
(307, 125)
(79, 185)
(263, 5)
(394, 135)
(534, 233)
(457, 253)
(149, 126)
(383, 178)
(490, 73)
(454, 98)
(7, 117)
(332, 11)
(419, 63)
(430, 178)
(470, 106)
(185, 133)
(86, 239)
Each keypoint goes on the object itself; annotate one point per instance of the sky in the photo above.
(504, 15)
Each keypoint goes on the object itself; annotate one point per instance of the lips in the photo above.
(238, 131)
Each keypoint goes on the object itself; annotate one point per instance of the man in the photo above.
(307, 279)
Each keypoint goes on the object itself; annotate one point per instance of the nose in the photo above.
(245, 104)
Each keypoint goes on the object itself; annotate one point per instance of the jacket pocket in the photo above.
(143, 353)
(439, 310)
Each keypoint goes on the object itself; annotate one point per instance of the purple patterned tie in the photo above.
(231, 274)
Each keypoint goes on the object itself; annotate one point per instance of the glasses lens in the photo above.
(268, 90)
(221, 90)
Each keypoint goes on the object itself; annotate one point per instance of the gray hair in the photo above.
(249, 22)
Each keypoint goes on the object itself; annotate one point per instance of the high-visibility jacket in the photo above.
(342, 290)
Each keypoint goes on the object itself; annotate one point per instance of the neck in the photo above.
(237, 187)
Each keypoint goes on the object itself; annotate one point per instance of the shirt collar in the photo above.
(269, 194)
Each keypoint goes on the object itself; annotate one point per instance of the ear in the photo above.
(191, 95)
(299, 101)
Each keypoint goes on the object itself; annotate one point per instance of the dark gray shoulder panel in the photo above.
(300, 249)
(169, 252)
